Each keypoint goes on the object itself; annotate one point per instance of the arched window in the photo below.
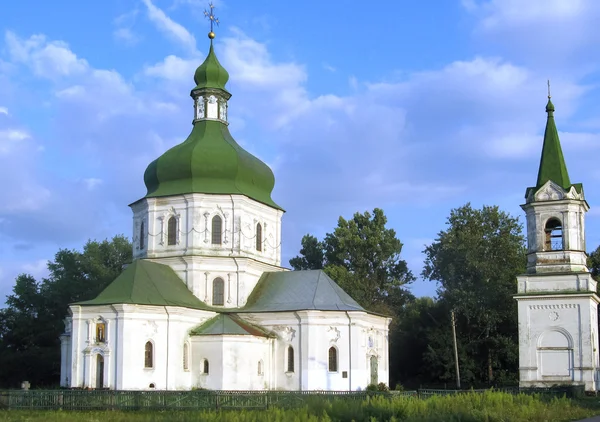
(290, 359)
(205, 366)
(218, 292)
(142, 230)
(149, 355)
(186, 356)
(333, 363)
(258, 237)
(172, 231)
(217, 229)
(554, 235)
(260, 367)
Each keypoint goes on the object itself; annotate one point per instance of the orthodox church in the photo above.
(206, 302)
(557, 300)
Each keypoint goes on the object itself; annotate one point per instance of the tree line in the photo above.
(474, 261)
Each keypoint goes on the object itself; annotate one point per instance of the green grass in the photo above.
(471, 407)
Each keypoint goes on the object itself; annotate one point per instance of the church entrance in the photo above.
(555, 356)
(374, 370)
(99, 371)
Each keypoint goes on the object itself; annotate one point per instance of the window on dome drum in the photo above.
(142, 230)
(149, 355)
(172, 231)
(205, 366)
(100, 332)
(333, 359)
(290, 359)
(186, 356)
(217, 229)
(554, 235)
(258, 237)
(218, 292)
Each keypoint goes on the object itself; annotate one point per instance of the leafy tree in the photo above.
(593, 263)
(363, 257)
(312, 255)
(476, 261)
(32, 322)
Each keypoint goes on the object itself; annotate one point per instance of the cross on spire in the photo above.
(212, 18)
(549, 96)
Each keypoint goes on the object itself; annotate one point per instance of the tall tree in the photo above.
(593, 263)
(363, 257)
(32, 322)
(476, 261)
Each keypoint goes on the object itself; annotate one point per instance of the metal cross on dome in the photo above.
(211, 16)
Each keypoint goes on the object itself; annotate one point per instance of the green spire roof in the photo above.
(552, 163)
(147, 283)
(210, 160)
(211, 74)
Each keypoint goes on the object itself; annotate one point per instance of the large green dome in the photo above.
(210, 160)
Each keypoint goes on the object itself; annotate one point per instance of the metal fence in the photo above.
(205, 399)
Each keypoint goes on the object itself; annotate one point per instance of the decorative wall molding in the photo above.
(559, 306)
(334, 334)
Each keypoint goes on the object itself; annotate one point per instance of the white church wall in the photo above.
(241, 355)
(557, 340)
(239, 275)
(208, 348)
(128, 328)
(194, 258)
(194, 213)
(317, 331)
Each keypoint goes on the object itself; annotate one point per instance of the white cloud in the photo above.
(92, 183)
(124, 28)
(173, 68)
(10, 137)
(126, 35)
(4, 110)
(38, 269)
(549, 35)
(329, 67)
(498, 13)
(173, 29)
(46, 59)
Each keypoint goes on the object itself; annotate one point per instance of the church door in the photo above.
(99, 371)
(374, 370)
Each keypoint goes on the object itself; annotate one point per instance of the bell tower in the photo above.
(557, 301)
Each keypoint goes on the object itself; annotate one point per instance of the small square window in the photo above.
(344, 374)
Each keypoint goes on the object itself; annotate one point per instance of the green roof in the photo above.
(210, 160)
(552, 162)
(147, 283)
(297, 291)
(211, 74)
(229, 324)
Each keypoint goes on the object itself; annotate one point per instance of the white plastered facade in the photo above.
(557, 301)
(235, 362)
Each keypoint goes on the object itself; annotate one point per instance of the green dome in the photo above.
(211, 74)
(210, 161)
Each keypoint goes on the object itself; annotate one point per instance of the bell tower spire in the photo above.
(555, 210)
(552, 162)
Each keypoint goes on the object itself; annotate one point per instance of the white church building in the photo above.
(206, 302)
(557, 300)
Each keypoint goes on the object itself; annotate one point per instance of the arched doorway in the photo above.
(99, 371)
(374, 370)
(555, 354)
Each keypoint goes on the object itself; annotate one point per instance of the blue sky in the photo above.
(413, 107)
